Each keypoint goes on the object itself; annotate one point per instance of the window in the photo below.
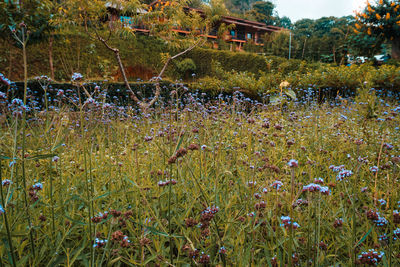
(233, 33)
(249, 36)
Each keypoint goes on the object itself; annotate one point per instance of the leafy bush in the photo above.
(333, 79)
(186, 67)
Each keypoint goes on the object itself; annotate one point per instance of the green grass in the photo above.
(106, 164)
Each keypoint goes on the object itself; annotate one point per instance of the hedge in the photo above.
(141, 56)
(116, 92)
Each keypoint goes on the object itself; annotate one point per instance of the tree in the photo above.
(362, 44)
(325, 39)
(277, 44)
(382, 20)
(100, 21)
(239, 6)
(36, 15)
(284, 22)
(262, 11)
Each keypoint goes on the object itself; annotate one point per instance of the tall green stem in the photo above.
(28, 216)
(291, 216)
(6, 219)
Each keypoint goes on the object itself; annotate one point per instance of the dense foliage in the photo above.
(383, 21)
(252, 160)
(223, 181)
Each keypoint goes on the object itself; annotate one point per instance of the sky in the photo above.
(314, 9)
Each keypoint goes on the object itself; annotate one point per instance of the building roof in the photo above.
(235, 20)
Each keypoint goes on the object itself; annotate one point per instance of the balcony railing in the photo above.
(240, 36)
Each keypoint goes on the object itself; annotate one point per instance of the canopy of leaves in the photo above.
(36, 15)
(262, 12)
(381, 19)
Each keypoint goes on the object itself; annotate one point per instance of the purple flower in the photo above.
(265, 190)
(222, 250)
(293, 163)
(3, 96)
(374, 169)
(277, 185)
(99, 243)
(6, 182)
(4, 80)
(251, 183)
(60, 92)
(364, 189)
(343, 174)
(336, 168)
(316, 188)
(37, 186)
(382, 201)
(76, 76)
(287, 221)
(319, 180)
(396, 234)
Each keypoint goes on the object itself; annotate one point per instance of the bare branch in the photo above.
(178, 55)
(143, 105)
(121, 68)
(87, 30)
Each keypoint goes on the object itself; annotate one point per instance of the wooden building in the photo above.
(242, 30)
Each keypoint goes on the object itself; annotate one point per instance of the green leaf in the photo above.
(77, 252)
(132, 182)
(103, 195)
(44, 156)
(274, 100)
(179, 143)
(150, 259)
(14, 234)
(291, 94)
(74, 221)
(365, 236)
(58, 145)
(158, 232)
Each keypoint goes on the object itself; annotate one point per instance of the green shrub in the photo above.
(186, 67)
(343, 79)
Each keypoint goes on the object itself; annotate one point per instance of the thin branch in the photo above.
(143, 105)
(121, 68)
(178, 55)
(159, 77)
(87, 31)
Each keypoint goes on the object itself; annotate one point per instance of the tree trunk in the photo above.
(10, 61)
(51, 57)
(304, 48)
(396, 48)
(334, 54)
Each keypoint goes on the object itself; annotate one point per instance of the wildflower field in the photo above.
(197, 181)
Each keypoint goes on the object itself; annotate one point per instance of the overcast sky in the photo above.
(314, 9)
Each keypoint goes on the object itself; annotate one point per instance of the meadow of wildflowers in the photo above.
(197, 181)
